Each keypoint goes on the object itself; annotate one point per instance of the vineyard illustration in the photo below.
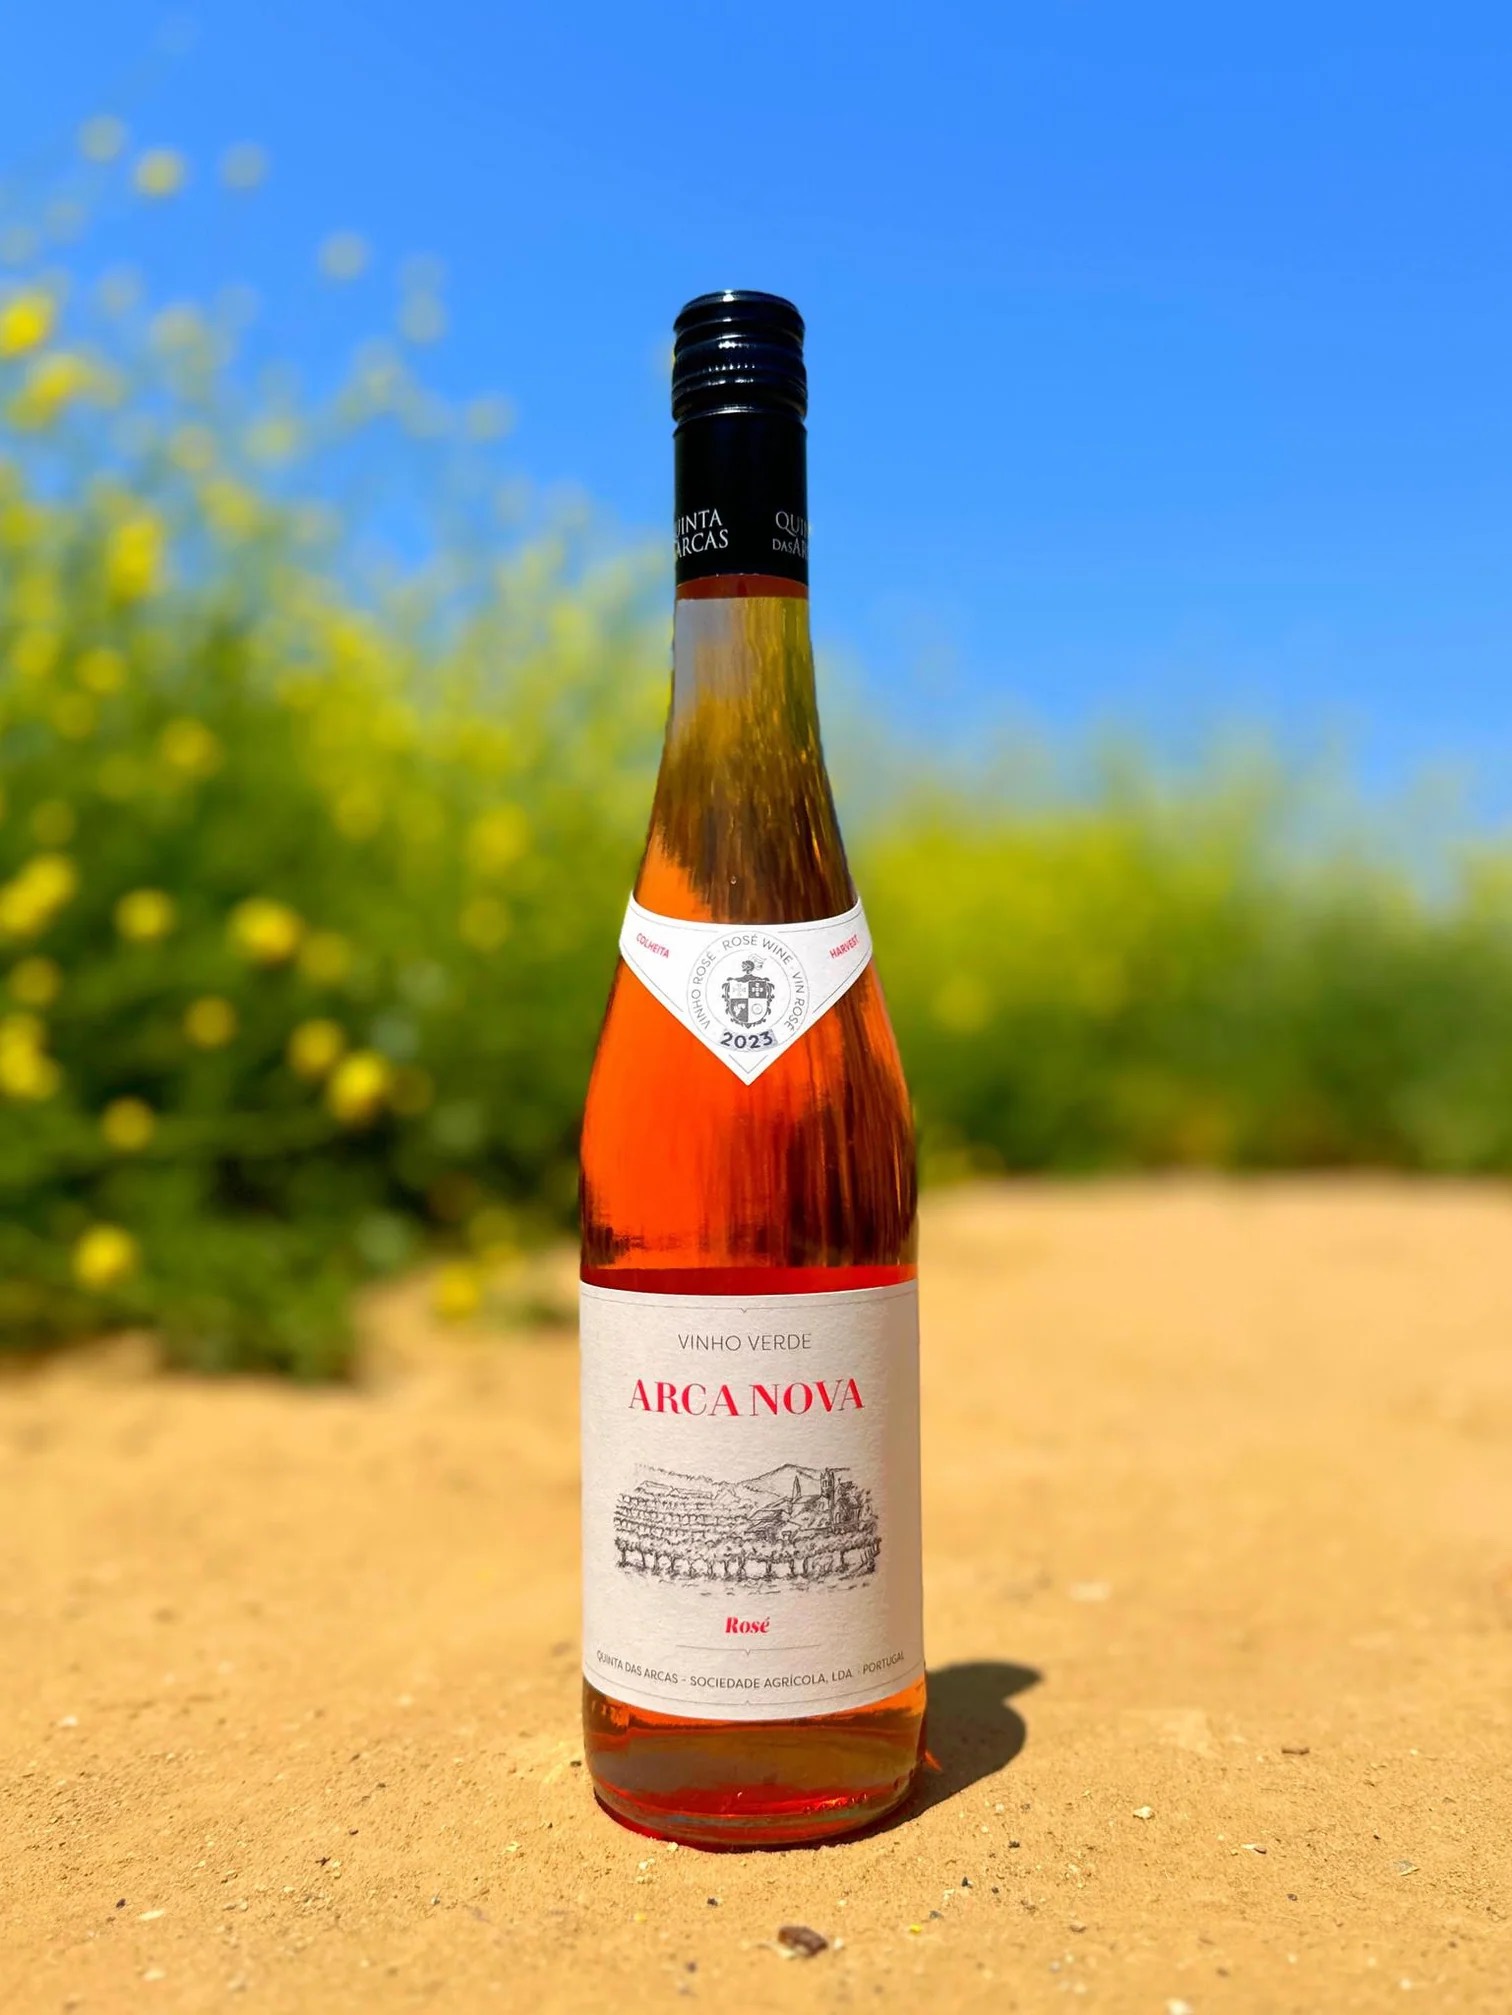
(788, 1524)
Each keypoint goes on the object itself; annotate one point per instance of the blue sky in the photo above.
(1159, 355)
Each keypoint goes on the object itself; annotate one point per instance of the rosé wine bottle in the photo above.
(752, 1642)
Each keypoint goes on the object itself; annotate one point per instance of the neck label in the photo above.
(747, 991)
(742, 497)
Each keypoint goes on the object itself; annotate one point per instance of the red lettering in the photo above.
(836, 951)
(739, 1626)
(638, 1397)
(687, 1403)
(767, 1394)
(666, 1397)
(724, 1402)
(852, 1395)
(789, 1403)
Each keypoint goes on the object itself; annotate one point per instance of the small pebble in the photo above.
(1144, 1811)
(712, 1901)
(1406, 1868)
(68, 1721)
(801, 1941)
(147, 1916)
(1253, 1847)
(1295, 1749)
(1076, 1925)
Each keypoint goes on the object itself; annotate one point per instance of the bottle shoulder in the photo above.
(684, 1162)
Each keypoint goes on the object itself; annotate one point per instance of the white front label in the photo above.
(751, 1500)
(748, 991)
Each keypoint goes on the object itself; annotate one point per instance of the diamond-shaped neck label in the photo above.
(747, 991)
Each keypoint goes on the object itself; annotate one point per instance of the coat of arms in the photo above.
(748, 996)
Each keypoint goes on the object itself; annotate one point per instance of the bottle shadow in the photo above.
(971, 1730)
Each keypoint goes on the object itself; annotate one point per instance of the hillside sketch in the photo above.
(789, 1523)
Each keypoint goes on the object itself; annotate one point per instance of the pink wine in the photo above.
(752, 1641)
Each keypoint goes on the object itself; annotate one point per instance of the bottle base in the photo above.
(802, 1824)
(735, 1784)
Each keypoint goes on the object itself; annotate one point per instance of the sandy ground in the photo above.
(1219, 1560)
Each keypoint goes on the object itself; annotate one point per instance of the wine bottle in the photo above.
(752, 1648)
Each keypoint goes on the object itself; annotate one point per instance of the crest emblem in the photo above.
(748, 995)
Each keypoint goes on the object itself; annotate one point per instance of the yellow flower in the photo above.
(145, 915)
(498, 839)
(134, 558)
(128, 1124)
(457, 1292)
(53, 384)
(315, 1047)
(102, 138)
(26, 322)
(192, 449)
(484, 924)
(189, 747)
(231, 508)
(105, 1257)
(244, 166)
(26, 1070)
(178, 329)
(325, 957)
(53, 823)
(32, 898)
(101, 670)
(35, 982)
(265, 931)
(161, 172)
(422, 319)
(19, 524)
(488, 418)
(344, 256)
(273, 439)
(34, 653)
(358, 1087)
(210, 1023)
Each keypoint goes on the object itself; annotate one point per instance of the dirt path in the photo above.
(1219, 1557)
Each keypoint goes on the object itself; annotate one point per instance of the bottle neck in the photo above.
(743, 829)
(741, 501)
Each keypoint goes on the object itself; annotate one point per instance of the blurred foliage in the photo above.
(323, 782)
(1159, 978)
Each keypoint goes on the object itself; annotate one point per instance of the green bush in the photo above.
(306, 934)
(1152, 982)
